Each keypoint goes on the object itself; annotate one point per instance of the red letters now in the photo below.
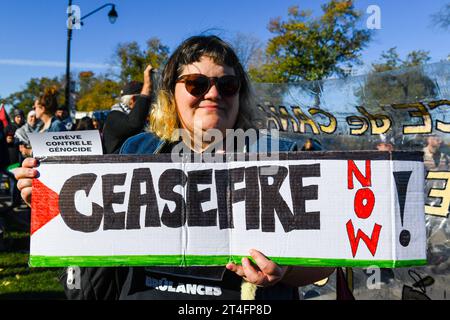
(366, 181)
(371, 243)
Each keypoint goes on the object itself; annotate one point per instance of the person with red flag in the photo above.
(4, 119)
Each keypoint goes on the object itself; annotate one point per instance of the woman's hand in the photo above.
(265, 273)
(25, 176)
(147, 87)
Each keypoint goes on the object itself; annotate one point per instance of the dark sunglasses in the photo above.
(198, 84)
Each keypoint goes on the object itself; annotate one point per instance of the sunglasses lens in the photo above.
(228, 85)
(197, 84)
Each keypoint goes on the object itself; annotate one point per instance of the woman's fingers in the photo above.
(25, 173)
(30, 163)
(267, 266)
(252, 275)
(26, 170)
(24, 176)
(236, 269)
(245, 271)
(264, 273)
(24, 183)
(25, 193)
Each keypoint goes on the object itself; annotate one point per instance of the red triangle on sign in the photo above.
(44, 205)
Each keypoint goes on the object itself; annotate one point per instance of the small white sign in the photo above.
(69, 143)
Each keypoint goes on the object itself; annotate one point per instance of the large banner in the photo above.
(406, 109)
(316, 209)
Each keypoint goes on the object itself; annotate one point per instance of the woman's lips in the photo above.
(211, 107)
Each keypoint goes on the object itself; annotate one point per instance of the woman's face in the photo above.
(39, 109)
(210, 111)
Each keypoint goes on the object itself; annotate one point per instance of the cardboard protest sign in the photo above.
(310, 208)
(73, 143)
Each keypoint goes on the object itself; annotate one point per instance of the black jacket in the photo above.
(4, 154)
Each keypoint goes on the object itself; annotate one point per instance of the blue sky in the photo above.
(33, 33)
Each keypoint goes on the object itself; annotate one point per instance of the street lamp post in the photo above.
(112, 16)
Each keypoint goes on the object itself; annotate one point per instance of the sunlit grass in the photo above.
(18, 280)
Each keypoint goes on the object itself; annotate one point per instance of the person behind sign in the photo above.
(62, 114)
(433, 158)
(32, 126)
(85, 123)
(202, 79)
(127, 118)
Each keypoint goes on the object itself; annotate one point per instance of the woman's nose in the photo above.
(213, 92)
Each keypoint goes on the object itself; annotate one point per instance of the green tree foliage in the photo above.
(391, 60)
(24, 99)
(132, 60)
(86, 80)
(308, 48)
(396, 81)
(385, 85)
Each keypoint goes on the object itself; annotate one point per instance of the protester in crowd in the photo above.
(18, 121)
(203, 79)
(127, 118)
(97, 122)
(13, 147)
(45, 108)
(4, 154)
(4, 157)
(31, 126)
(385, 142)
(434, 159)
(9, 155)
(384, 146)
(85, 123)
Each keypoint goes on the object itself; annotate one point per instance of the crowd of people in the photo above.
(126, 118)
(121, 122)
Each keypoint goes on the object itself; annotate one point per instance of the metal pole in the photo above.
(69, 40)
(96, 10)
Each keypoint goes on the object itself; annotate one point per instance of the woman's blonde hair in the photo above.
(164, 118)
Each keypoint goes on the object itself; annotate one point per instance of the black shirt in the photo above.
(119, 126)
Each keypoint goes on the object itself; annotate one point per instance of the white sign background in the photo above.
(328, 246)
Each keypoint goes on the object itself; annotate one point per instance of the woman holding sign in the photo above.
(203, 87)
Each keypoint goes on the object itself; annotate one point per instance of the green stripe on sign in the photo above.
(13, 166)
(190, 260)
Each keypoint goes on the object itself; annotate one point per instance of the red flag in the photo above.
(4, 116)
